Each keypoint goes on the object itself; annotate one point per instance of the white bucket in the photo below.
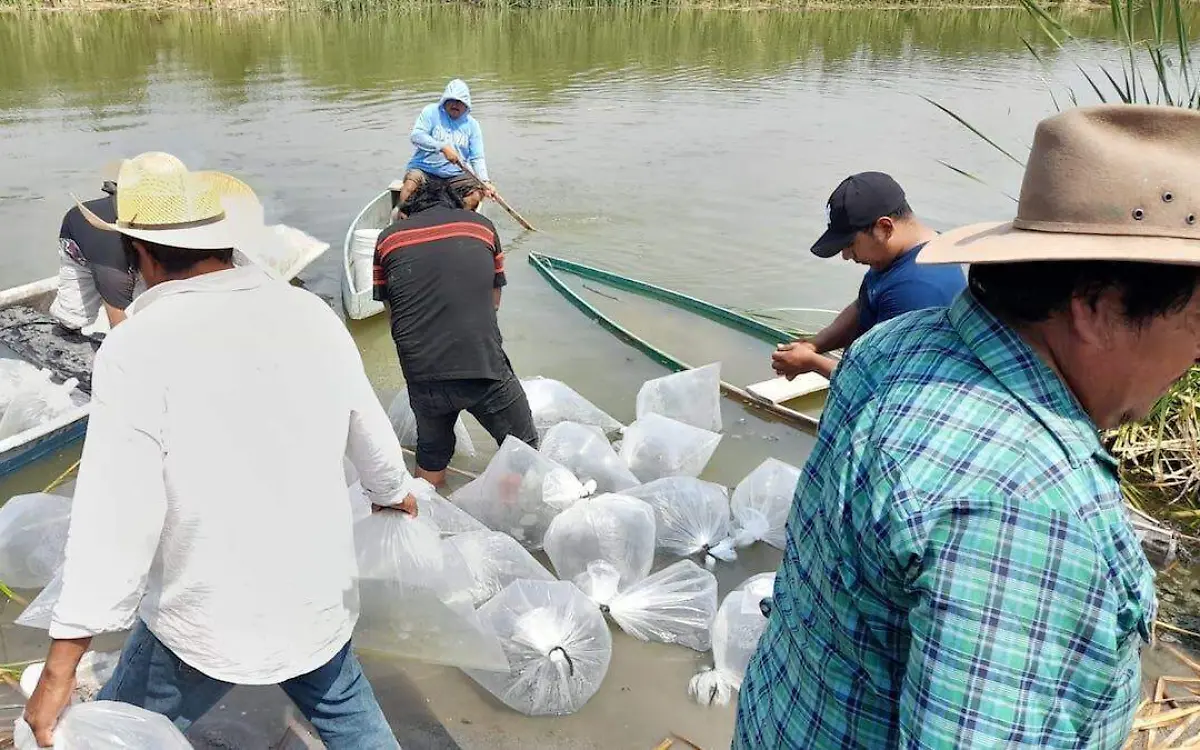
(362, 258)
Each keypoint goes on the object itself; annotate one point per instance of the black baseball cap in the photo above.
(856, 204)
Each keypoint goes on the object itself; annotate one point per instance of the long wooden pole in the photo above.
(499, 198)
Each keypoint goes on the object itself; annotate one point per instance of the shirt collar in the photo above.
(231, 280)
(1023, 373)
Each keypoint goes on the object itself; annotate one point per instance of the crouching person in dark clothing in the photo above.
(439, 269)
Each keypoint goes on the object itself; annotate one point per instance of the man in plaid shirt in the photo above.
(959, 570)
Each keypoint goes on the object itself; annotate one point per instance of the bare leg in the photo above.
(407, 189)
(472, 200)
(436, 478)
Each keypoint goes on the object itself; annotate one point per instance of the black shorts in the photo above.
(499, 405)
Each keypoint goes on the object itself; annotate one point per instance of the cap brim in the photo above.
(1001, 242)
(831, 243)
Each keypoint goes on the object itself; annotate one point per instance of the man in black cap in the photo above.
(870, 222)
(95, 280)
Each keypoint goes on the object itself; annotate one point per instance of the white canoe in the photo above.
(374, 218)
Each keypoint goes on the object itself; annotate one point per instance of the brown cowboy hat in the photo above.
(1113, 182)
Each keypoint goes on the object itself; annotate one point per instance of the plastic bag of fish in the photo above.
(586, 452)
(520, 493)
(37, 401)
(33, 537)
(675, 605)
(448, 517)
(414, 593)
(553, 401)
(404, 422)
(495, 560)
(107, 725)
(655, 447)
(691, 516)
(691, 396)
(739, 624)
(616, 529)
(761, 503)
(557, 644)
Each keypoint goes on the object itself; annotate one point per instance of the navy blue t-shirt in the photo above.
(904, 286)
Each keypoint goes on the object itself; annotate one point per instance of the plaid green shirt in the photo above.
(959, 571)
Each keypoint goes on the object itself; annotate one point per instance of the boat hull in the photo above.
(360, 303)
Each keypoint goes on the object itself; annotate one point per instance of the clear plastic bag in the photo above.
(107, 725)
(33, 536)
(495, 560)
(14, 375)
(615, 529)
(558, 647)
(690, 396)
(520, 492)
(37, 402)
(448, 517)
(739, 624)
(761, 503)
(553, 401)
(586, 453)
(415, 595)
(675, 605)
(656, 446)
(404, 422)
(691, 515)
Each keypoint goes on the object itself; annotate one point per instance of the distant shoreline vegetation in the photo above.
(277, 6)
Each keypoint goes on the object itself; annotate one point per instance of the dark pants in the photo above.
(336, 698)
(499, 405)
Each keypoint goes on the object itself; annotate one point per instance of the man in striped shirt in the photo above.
(440, 270)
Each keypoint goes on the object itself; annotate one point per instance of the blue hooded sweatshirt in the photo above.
(434, 129)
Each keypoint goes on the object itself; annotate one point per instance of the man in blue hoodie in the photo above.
(446, 136)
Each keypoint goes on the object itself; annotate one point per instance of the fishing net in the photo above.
(520, 493)
(107, 725)
(691, 396)
(691, 515)
(553, 401)
(33, 536)
(38, 401)
(585, 451)
(761, 503)
(404, 422)
(415, 595)
(615, 529)
(495, 560)
(655, 447)
(557, 643)
(675, 605)
(739, 624)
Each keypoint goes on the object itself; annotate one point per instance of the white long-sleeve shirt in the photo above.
(213, 478)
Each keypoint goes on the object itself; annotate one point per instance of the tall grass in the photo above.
(1160, 456)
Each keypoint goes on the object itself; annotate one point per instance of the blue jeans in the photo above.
(336, 698)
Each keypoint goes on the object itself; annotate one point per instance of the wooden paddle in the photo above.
(499, 199)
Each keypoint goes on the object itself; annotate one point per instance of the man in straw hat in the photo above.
(960, 570)
(95, 281)
(211, 509)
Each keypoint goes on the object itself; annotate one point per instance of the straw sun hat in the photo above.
(1113, 182)
(160, 201)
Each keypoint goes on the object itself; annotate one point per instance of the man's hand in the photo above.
(49, 699)
(796, 358)
(407, 505)
(451, 154)
(489, 191)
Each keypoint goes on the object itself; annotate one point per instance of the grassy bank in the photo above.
(277, 6)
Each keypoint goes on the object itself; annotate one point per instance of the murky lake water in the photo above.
(692, 150)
